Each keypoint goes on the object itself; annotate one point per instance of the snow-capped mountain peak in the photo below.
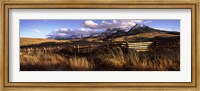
(139, 26)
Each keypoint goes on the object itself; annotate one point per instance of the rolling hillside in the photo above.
(31, 41)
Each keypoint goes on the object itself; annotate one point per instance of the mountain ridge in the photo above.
(112, 33)
(139, 29)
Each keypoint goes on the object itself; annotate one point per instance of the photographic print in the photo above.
(100, 45)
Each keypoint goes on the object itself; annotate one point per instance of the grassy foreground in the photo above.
(113, 59)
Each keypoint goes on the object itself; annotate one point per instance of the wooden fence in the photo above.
(140, 46)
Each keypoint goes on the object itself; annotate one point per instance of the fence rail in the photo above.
(138, 46)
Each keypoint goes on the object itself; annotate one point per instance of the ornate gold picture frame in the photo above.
(110, 4)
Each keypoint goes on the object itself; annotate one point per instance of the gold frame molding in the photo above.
(127, 4)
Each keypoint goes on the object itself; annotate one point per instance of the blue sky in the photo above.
(45, 28)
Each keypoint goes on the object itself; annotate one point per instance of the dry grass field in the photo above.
(112, 58)
(142, 35)
(31, 41)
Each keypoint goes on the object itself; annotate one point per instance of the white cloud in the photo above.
(90, 24)
(124, 24)
(65, 32)
(138, 21)
(147, 22)
(36, 30)
(165, 29)
(61, 34)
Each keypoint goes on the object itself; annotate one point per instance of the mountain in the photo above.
(141, 28)
(111, 31)
(137, 32)
(138, 29)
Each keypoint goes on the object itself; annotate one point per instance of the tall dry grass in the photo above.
(166, 61)
(43, 61)
(112, 59)
(80, 64)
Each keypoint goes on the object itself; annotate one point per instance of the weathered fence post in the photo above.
(78, 49)
(107, 46)
(127, 47)
(89, 48)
